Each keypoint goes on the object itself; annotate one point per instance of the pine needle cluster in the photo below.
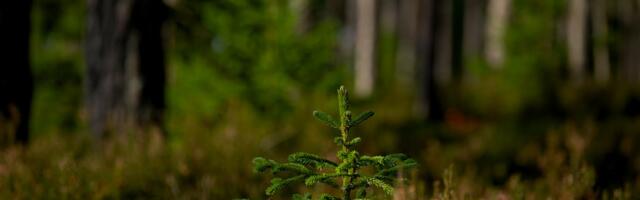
(344, 175)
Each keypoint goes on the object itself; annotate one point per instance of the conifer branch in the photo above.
(307, 158)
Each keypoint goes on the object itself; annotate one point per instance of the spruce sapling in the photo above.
(312, 169)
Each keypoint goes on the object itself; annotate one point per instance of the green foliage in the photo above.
(314, 169)
(57, 65)
(326, 118)
(249, 47)
(361, 118)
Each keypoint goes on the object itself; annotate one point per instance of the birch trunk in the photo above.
(365, 47)
(497, 19)
(576, 43)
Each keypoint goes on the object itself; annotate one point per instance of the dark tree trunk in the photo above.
(443, 39)
(429, 20)
(457, 14)
(16, 80)
(473, 33)
(629, 60)
(474, 26)
(125, 58)
(151, 15)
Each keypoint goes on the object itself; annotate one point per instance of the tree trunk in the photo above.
(629, 60)
(443, 41)
(474, 24)
(427, 43)
(347, 34)
(388, 12)
(407, 24)
(576, 33)
(16, 79)
(457, 29)
(125, 59)
(150, 15)
(497, 19)
(602, 68)
(303, 17)
(365, 47)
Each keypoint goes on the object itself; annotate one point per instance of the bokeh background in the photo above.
(150, 99)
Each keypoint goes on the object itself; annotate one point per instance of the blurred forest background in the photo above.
(150, 99)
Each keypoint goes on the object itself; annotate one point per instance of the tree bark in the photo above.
(443, 41)
(576, 43)
(457, 35)
(629, 60)
(497, 19)
(429, 105)
(125, 59)
(602, 66)
(407, 25)
(150, 16)
(16, 79)
(474, 23)
(365, 47)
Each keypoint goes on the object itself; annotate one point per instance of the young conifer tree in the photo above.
(344, 175)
